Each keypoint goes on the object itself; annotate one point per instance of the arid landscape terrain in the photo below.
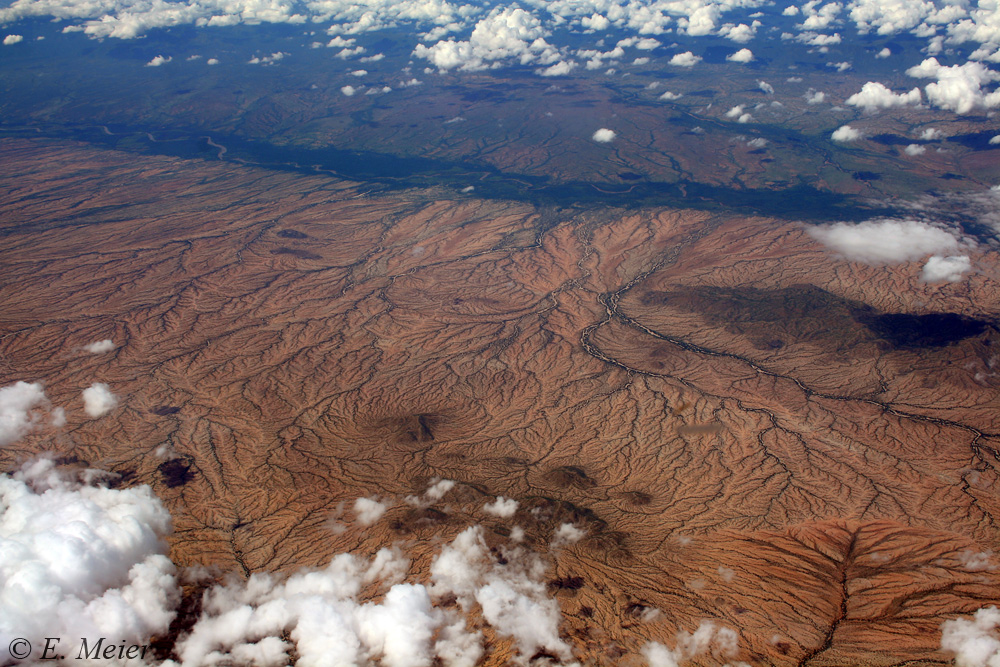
(738, 424)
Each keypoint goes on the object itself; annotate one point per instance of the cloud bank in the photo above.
(78, 560)
(974, 642)
(886, 241)
(81, 560)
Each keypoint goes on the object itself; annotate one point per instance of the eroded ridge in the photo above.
(742, 425)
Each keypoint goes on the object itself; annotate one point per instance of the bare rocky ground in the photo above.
(747, 428)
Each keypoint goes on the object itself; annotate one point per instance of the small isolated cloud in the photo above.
(501, 507)
(741, 56)
(561, 68)
(914, 150)
(875, 96)
(766, 87)
(267, 60)
(885, 241)
(686, 59)
(974, 642)
(438, 488)
(100, 346)
(931, 134)
(12, 39)
(212, 61)
(995, 140)
(815, 96)
(846, 133)
(604, 136)
(368, 510)
(98, 400)
(884, 53)
(345, 54)
(757, 143)
(157, 61)
(435, 492)
(945, 269)
(816, 39)
(18, 404)
(741, 34)
(348, 90)
(339, 42)
(647, 44)
(567, 533)
(739, 114)
(790, 10)
(359, 72)
(641, 61)
(977, 561)
(669, 96)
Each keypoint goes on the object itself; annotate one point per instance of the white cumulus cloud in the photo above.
(604, 135)
(886, 241)
(100, 346)
(368, 510)
(708, 637)
(501, 507)
(846, 133)
(958, 88)
(19, 403)
(98, 400)
(974, 642)
(567, 533)
(941, 269)
(686, 59)
(505, 35)
(815, 96)
(874, 96)
(741, 56)
(81, 561)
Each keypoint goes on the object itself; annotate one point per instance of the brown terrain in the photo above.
(747, 428)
